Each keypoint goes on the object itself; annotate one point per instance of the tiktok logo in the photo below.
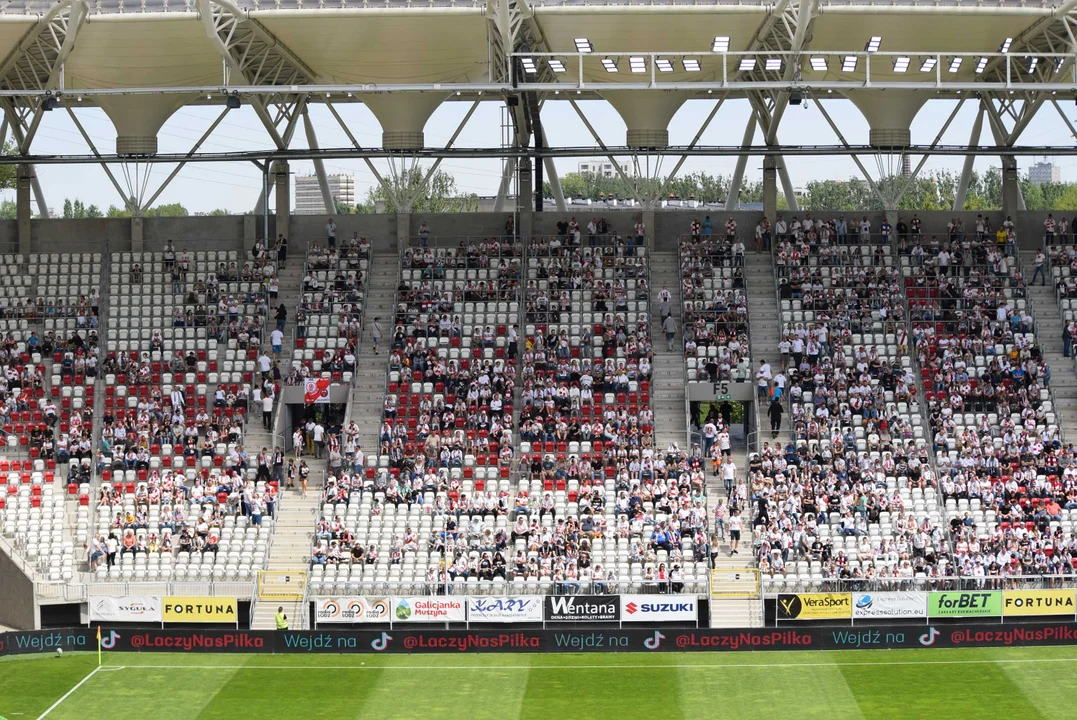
(652, 643)
(110, 642)
(382, 642)
(928, 638)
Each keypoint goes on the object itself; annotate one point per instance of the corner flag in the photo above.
(98, 646)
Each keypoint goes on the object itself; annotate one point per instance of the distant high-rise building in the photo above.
(1044, 172)
(308, 194)
(602, 168)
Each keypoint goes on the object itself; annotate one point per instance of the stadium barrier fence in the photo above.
(539, 641)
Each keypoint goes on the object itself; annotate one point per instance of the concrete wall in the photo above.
(237, 232)
(16, 596)
(205, 233)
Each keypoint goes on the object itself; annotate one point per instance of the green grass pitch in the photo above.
(960, 683)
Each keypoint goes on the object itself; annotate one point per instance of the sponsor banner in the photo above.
(352, 610)
(659, 608)
(972, 603)
(130, 608)
(41, 641)
(504, 609)
(316, 391)
(582, 608)
(607, 639)
(1038, 602)
(429, 609)
(199, 610)
(889, 605)
(815, 606)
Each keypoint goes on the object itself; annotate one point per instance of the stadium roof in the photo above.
(141, 61)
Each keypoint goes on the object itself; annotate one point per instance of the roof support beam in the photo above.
(966, 170)
(319, 166)
(257, 56)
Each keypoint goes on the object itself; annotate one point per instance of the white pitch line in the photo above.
(715, 666)
(69, 692)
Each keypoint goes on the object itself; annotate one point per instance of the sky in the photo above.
(236, 186)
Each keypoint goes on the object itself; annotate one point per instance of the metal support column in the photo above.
(742, 162)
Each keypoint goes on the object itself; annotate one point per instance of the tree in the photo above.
(219, 212)
(75, 210)
(8, 210)
(344, 208)
(170, 210)
(438, 196)
(8, 173)
(115, 212)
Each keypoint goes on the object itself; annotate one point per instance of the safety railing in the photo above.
(322, 585)
(81, 592)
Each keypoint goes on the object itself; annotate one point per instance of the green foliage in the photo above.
(440, 195)
(8, 173)
(8, 210)
(170, 210)
(346, 209)
(75, 210)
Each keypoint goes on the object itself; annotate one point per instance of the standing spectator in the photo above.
(282, 250)
(738, 253)
(902, 229)
(763, 377)
(1049, 229)
(281, 316)
(865, 230)
(670, 329)
(277, 341)
(730, 229)
(424, 234)
(1038, 263)
(729, 475)
(319, 440)
(375, 334)
(298, 441)
(264, 365)
(267, 412)
(775, 414)
(592, 231)
(664, 297)
(708, 226)
(641, 233)
(842, 229)
(331, 234)
(735, 525)
(694, 228)
(780, 229)
(1067, 337)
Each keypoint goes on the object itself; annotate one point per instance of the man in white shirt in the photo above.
(865, 230)
(641, 233)
(710, 435)
(780, 229)
(277, 340)
(1049, 228)
(319, 440)
(763, 376)
(738, 253)
(267, 412)
(264, 365)
(331, 233)
(424, 234)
